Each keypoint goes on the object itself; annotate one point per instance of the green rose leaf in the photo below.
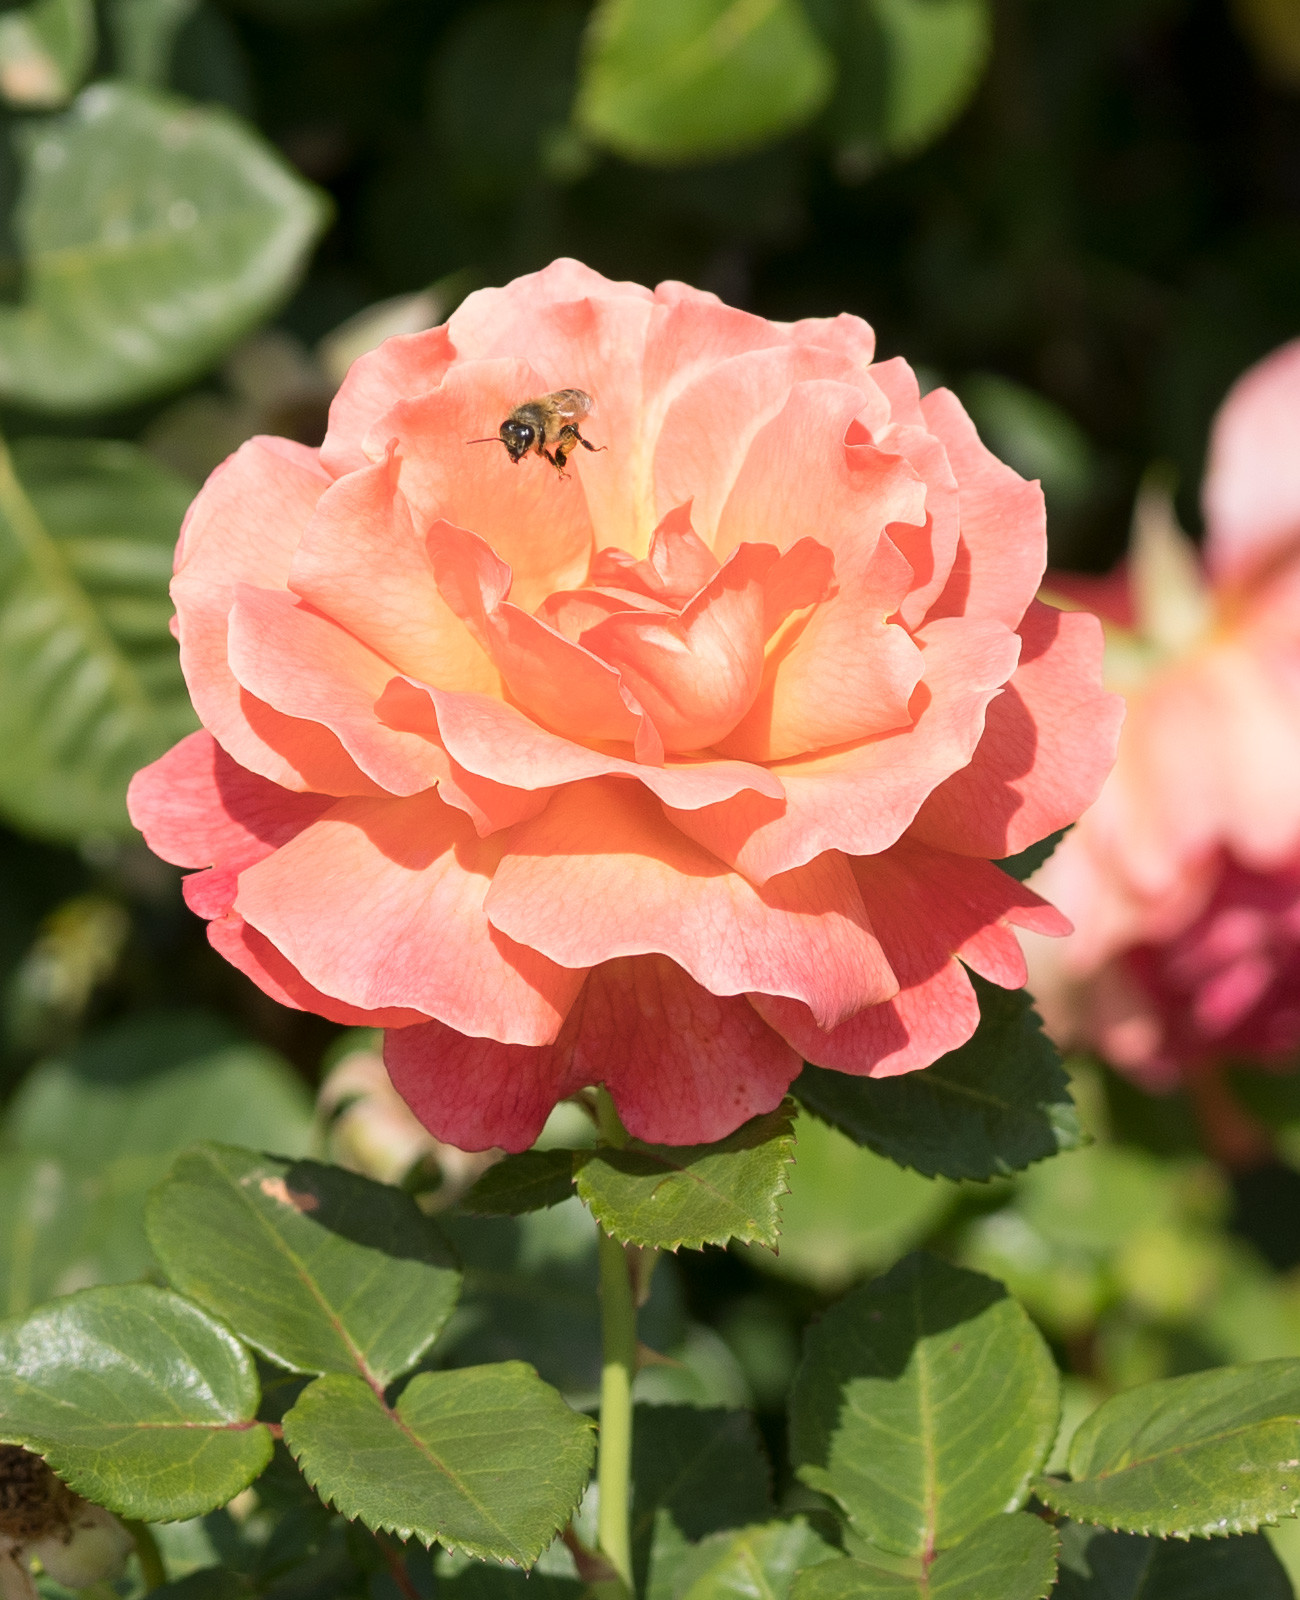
(667, 1196)
(907, 68)
(44, 1211)
(1027, 862)
(1005, 1558)
(316, 1267)
(92, 680)
(998, 1103)
(139, 1400)
(46, 49)
(667, 81)
(1216, 1452)
(1097, 1565)
(154, 234)
(488, 1460)
(108, 1117)
(926, 1401)
(532, 1181)
(760, 1561)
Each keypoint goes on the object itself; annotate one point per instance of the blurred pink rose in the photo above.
(1183, 880)
(664, 776)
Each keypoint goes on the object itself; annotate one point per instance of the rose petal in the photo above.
(410, 364)
(602, 874)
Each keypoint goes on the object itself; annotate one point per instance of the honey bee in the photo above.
(550, 419)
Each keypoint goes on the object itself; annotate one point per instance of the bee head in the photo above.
(518, 438)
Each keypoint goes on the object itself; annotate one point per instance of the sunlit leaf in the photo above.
(318, 1268)
(759, 1561)
(1005, 1558)
(488, 1460)
(926, 1402)
(688, 80)
(667, 1196)
(154, 234)
(137, 1399)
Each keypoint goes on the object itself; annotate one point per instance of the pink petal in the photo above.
(800, 480)
(844, 673)
(1049, 741)
(861, 800)
(677, 567)
(1002, 552)
(696, 674)
(380, 904)
(363, 563)
(257, 958)
(410, 364)
(1252, 484)
(602, 874)
(564, 685)
(536, 522)
(297, 660)
(928, 908)
(243, 528)
(495, 740)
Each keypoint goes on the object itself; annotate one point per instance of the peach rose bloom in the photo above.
(667, 775)
(1183, 881)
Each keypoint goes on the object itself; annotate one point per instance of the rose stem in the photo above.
(150, 1556)
(618, 1328)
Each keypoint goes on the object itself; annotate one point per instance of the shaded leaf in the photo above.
(689, 80)
(144, 36)
(46, 49)
(138, 1399)
(907, 68)
(755, 1562)
(1027, 862)
(1216, 1452)
(1097, 1565)
(91, 675)
(925, 1402)
(528, 1182)
(849, 1211)
(44, 1211)
(154, 234)
(115, 1110)
(997, 1104)
(667, 1196)
(320, 1269)
(1005, 1558)
(488, 1460)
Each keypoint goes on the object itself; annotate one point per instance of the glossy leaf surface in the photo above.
(154, 234)
(318, 1268)
(1215, 1452)
(488, 1460)
(138, 1399)
(667, 1196)
(925, 1402)
(997, 1104)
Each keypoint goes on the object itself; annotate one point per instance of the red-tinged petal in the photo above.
(1049, 741)
(676, 568)
(800, 480)
(710, 426)
(474, 1093)
(696, 674)
(257, 958)
(572, 611)
(862, 799)
(537, 523)
(363, 903)
(928, 909)
(565, 686)
(492, 739)
(843, 673)
(684, 1065)
(1002, 552)
(243, 528)
(363, 563)
(602, 874)
(402, 367)
(1251, 493)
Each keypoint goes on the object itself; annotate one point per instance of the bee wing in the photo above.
(573, 404)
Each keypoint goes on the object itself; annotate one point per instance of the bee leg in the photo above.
(557, 460)
(585, 444)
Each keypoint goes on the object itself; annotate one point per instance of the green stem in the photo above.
(618, 1328)
(150, 1556)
